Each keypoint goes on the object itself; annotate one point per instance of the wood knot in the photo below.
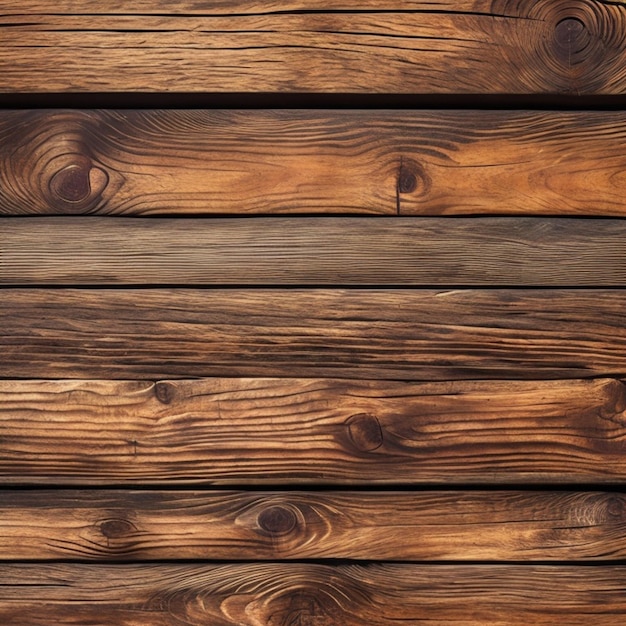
(365, 432)
(277, 520)
(117, 528)
(78, 182)
(572, 37)
(615, 507)
(165, 392)
(412, 178)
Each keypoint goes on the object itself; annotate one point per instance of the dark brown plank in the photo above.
(296, 431)
(311, 595)
(346, 333)
(314, 251)
(292, 161)
(400, 526)
(480, 46)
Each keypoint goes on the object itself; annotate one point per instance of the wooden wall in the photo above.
(313, 313)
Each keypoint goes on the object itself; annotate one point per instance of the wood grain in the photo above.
(480, 46)
(297, 431)
(314, 251)
(196, 162)
(311, 595)
(347, 333)
(239, 526)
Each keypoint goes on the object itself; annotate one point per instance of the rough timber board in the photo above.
(203, 162)
(311, 595)
(484, 46)
(297, 431)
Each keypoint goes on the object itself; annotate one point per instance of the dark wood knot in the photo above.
(615, 508)
(165, 392)
(277, 520)
(412, 178)
(78, 182)
(365, 432)
(117, 528)
(572, 37)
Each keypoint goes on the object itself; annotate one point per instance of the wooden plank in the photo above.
(297, 161)
(297, 431)
(314, 251)
(481, 46)
(308, 594)
(239, 526)
(346, 333)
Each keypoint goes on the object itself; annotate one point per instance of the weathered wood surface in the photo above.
(295, 431)
(380, 46)
(293, 161)
(240, 526)
(311, 595)
(346, 333)
(314, 251)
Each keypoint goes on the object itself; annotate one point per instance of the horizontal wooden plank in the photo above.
(314, 251)
(347, 333)
(297, 431)
(307, 595)
(174, 162)
(484, 46)
(239, 526)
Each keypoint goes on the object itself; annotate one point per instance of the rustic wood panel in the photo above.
(307, 595)
(314, 251)
(216, 525)
(353, 333)
(293, 161)
(296, 431)
(480, 46)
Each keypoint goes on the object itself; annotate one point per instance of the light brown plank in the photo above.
(481, 46)
(314, 251)
(311, 595)
(346, 333)
(297, 431)
(293, 161)
(239, 526)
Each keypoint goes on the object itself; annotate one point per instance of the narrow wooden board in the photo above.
(428, 47)
(311, 595)
(196, 162)
(296, 431)
(346, 333)
(240, 526)
(314, 251)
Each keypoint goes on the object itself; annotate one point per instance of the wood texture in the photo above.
(311, 595)
(295, 431)
(314, 251)
(480, 46)
(198, 162)
(353, 333)
(239, 526)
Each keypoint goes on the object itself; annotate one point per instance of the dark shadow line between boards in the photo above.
(315, 100)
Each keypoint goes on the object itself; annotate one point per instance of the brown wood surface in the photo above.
(347, 333)
(240, 526)
(311, 595)
(295, 431)
(173, 162)
(314, 251)
(384, 46)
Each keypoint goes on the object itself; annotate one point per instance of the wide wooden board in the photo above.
(297, 431)
(311, 595)
(204, 161)
(381, 46)
(314, 251)
(240, 526)
(347, 333)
